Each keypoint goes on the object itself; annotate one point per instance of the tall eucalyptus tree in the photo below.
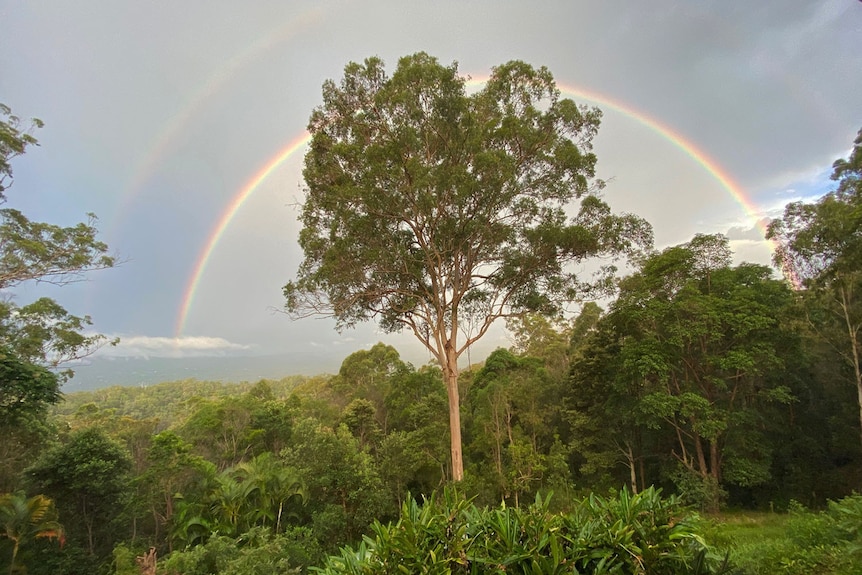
(430, 209)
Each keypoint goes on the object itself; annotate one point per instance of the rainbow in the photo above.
(687, 146)
(224, 221)
(177, 125)
(299, 142)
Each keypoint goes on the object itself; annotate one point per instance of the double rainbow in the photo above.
(299, 142)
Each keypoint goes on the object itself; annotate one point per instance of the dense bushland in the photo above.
(282, 476)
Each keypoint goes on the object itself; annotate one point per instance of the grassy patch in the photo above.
(799, 542)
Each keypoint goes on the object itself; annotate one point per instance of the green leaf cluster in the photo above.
(447, 534)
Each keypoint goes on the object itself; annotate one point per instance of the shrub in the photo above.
(637, 534)
(255, 552)
(703, 493)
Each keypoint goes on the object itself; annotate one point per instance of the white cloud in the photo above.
(813, 182)
(748, 233)
(184, 346)
(746, 250)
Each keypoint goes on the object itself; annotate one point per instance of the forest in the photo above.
(691, 416)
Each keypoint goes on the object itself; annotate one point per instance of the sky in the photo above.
(180, 125)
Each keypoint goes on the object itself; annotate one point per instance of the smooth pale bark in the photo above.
(455, 428)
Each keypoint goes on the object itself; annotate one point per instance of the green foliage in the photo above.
(599, 408)
(543, 338)
(689, 357)
(817, 242)
(695, 490)
(124, 561)
(42, 332)
(25, 389)
(513, 412)
(47, 252)
(818, 247)
(254, 552)
(345, 492)
(413, 455)
(169, 402)
(88, 478)
(360, 417)
(367, 375)
(230, 429)
(22, 442)
(644, 532)
(171, 469)
(13, 142)
(626, 533)
(387, 148)
(34, 250)
(274, 486)
(262, 492)
(416, 401)
(48, 558)
(40, 336)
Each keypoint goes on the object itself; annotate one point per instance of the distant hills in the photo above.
(99, 372)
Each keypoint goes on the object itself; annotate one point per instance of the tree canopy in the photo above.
(819, 247)
(42, 332)
(437, 211)
(38, 337)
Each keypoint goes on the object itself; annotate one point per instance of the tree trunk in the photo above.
(147, 562)
(14, 555)
(278, 519)
(88, 523)
(633, 477)
(642, 472)
(859, 399)
(852, 333)
(450, 371)
(497, 433)
(683, 455)
(701, 457)
(714, 460)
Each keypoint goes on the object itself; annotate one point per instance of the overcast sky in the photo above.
(158, 113)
